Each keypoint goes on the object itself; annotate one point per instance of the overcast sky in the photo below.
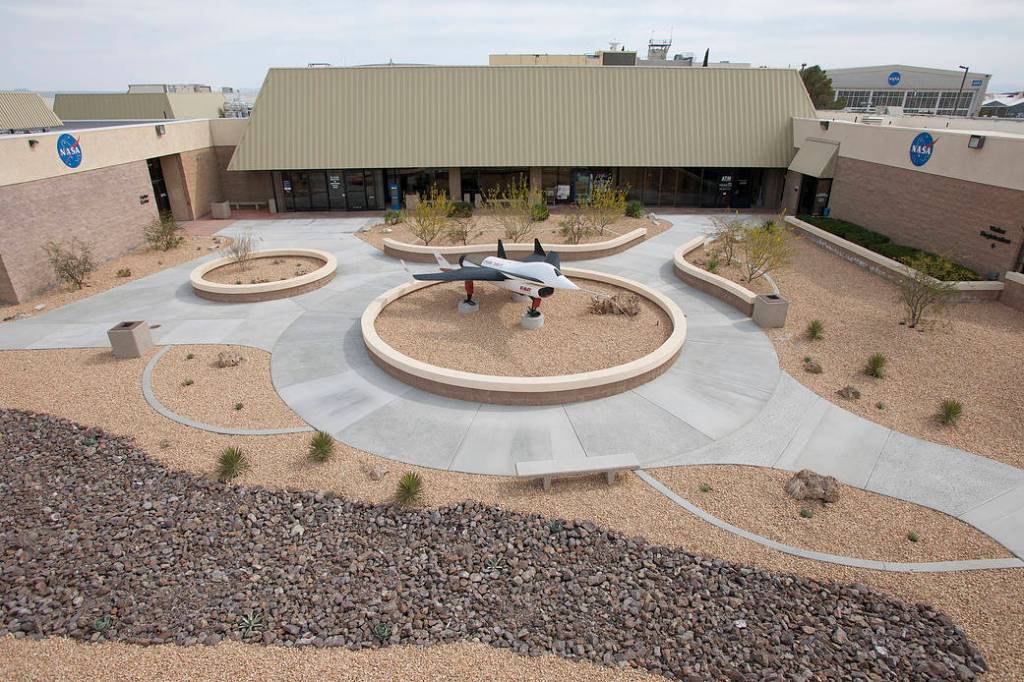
(106, 44)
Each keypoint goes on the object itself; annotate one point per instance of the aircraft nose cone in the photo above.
(565, 283)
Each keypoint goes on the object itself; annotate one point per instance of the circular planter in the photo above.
(510, 390)
(264, 291)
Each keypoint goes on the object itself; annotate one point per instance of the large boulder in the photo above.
(807, 485)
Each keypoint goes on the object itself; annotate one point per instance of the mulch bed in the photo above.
(100, 542)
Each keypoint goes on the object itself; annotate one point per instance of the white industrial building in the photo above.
(898, 88)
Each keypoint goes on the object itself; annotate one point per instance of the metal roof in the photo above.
(522, 116)
(816, 158)
(25, 111)
(125, 106)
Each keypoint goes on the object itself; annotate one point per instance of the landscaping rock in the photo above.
(211, 561)
(229, 358)
(813, 366)
(807, 485)
(848, 392)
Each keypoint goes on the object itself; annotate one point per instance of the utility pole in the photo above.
(963, 80)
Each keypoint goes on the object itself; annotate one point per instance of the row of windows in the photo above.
(911, 100)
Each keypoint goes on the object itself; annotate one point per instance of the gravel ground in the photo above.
(140, 262)
(871, 526)
(266, 269)
(491, 341)
(215, 392)
(974, 353)
(491, 231)
(102, 543)
(989, 605)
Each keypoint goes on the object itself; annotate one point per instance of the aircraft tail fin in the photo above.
(553, 259)
(538, 250)
(441, 262)
(501, 250)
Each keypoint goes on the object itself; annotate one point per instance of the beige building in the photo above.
(24, 112)
(141, 106)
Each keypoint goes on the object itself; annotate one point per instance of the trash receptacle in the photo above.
(130, 339)
(770, 311)
(221, 210)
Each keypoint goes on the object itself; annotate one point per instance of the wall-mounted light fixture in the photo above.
(32, 142)
(160, 130)
(824, 124)
(976, 142)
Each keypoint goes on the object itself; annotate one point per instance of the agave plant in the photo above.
(321, 446)
(231, 463)
(382, 631)
(410, 489)
(251, 624)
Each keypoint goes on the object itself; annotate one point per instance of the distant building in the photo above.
(1003, 107)
(893, 88)
(134, 88)
(615, 55)
(23, 112)
(141, 103)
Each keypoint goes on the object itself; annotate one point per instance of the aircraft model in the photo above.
(536, 276)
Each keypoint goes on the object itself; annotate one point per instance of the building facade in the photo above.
(910, 89)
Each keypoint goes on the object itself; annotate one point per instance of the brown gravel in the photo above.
(989, 605)
(141, 262)
(426, 325)
(732, 272)
(491, 231)
(869, 525)
(974, 353)
(266, 269)
(215, 391)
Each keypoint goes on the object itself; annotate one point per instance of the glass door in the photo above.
(300, 191)
(355, 190)
(336, 190)
(318, 191)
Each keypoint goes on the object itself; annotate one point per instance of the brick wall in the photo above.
(201, 168)
(931, 212)
(242, 185)
(101, 207)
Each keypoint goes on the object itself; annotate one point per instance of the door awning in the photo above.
(816, 158)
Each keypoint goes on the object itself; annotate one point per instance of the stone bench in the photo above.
(256, 205)
(548, 469)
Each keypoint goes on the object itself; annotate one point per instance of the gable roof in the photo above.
(26, 111)
(143, 106)
(398, 116)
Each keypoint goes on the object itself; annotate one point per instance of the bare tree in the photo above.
(574, 228)
(511, 206)
(923, 291)
(431, 215)
(241, 249)
(605, 205)
(727, 232)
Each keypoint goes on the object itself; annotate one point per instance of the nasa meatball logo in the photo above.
(69, 150)
(894, 78)
(921, 149)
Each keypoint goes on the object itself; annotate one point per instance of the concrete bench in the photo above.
(251, 204)
(548, 469)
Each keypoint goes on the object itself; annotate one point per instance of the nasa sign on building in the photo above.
(69, 150)
(921, 149)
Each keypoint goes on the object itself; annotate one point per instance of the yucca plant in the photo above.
(913, 536)
(815, 330)
(231, 463)
(950, 411)
(251, 624)
(410, 489)
(875, 366)
(321, 446)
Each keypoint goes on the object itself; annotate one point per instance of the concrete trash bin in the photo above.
(221, 210)
(130, 339)
(770, 311)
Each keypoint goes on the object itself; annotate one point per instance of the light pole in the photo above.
(959, 92)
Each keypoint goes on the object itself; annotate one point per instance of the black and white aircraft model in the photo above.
(536, 276)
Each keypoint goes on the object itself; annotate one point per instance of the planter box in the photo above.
(221, 210)
(130, 339)
(770, 311)
(272, 205)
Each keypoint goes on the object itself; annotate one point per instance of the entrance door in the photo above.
(156, 176)
(355, 190)
(808, 190)
(300, 191)
(318, 191)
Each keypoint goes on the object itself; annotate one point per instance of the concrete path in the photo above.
(725, 400)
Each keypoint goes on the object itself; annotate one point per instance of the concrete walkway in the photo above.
(724, 401)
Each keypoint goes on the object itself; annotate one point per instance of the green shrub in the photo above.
(231, 463)
(392, 217)
(539, 212)
(913, 536)
(815, 330)
(251, 624)
(164, 233)
(71, 264)
(875, 366)
(410, 489)
(187, 382)
(321, 446)
(124, 272)
(704, 488)
(102, 624)
(190, 356)
(634, 209)
(238, 407)
(461, 209)
(806, 512)
(711, 265)
(555, 526)
(382, 631)
(925, 290)
(950, 411)
(880, 405)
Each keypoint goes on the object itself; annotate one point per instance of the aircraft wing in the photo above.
(477, 273)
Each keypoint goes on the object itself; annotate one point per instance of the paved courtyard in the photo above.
(725, 400)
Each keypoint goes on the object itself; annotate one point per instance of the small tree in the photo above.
(924, 290)
(764, 250)
(574, 228)
(72, 264)
(512, 207)
(241, 249)
(462, 228)
(727, 233)
(164, 233)
(819, 87)
(605, 205)
(431, 215)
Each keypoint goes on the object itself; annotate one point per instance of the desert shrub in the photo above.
(321, 446)
(231, 463)
(102, 624)
(72, 264)
(605, 205)
(410, 489)
(875, 366)
(913, 536)
(240, 251)
(124, 272)
(924, 290)
(382, 631)
(704, 488)
(190, 356)
(950, 411)
(574, 228)
(815, 330)
(511, 206)
(250, 624)
(806, 512)
(711, 264)
(187, 382)
(727, 232)
(430, 217)
(461, 228)
(619, 304)
(634, 209)
(764, 250)
(238, 407)
(164, 233)
(555, 526)
(392, 217)
(539, 212)
(461, 209)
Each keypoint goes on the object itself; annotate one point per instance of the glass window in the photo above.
(921, 100)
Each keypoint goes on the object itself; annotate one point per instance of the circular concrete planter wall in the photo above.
(264, 291)
(506, 390)
(568, 252)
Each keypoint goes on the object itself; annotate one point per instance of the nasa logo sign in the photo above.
(69, 150)
(976, 82)
(894, 78)
(921, 149)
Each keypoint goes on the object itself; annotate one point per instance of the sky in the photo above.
(106, 44)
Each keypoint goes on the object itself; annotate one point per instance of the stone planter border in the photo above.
(737, 296)
(419, 253)
(507, 390)
(265, 291)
